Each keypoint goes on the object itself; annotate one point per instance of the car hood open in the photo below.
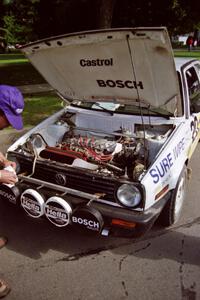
(120, 65)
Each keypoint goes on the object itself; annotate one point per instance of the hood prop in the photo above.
(139, 100)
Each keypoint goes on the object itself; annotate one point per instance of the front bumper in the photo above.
(105, 217)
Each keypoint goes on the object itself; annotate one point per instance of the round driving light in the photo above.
(58, 211)
(128, 195)
(33, 203)
(9, 193)
(87, 219)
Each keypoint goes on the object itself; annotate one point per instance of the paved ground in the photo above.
(46, 263)
(43, 262)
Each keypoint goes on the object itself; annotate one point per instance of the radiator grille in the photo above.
(77, 179)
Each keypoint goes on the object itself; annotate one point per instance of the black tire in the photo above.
(172, 210)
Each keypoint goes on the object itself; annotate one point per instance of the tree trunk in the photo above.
(105, 13)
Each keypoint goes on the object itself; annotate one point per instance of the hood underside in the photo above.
(124, 66)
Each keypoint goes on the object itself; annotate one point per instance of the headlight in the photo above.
(128, 195)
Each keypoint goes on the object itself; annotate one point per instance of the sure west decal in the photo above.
(163, 167)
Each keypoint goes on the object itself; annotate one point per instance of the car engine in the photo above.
(122, 153)
(122, 156)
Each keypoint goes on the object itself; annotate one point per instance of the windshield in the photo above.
(135, 109)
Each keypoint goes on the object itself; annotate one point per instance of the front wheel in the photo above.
(172, 210)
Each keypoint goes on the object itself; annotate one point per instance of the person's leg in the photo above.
(4, 288)
(3, 241)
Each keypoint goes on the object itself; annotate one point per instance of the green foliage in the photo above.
(28, 20)
(186, 53)
(48, 104)
(179, 16)
(7, 2)
(12, 58)
(17, 18)
(13, 30)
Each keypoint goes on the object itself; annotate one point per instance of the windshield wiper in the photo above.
(142, 105)
(157, 111)
(104, 109)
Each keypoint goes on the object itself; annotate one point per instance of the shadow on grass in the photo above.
(19, 74)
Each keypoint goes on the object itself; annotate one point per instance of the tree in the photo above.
(18, 19)
(106, 8)
(42, 18)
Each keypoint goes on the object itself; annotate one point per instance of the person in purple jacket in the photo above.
(11, 108)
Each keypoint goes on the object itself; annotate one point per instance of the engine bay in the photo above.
(113, 146)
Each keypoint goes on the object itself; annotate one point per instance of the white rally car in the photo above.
(115, 158)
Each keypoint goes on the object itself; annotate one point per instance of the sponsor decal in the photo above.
(129, 84)
(58, 211)
(96, 62)
(194, 125)
(86, 218)
(90, 224)
(8, 196)
(8, 193)
(33, 203)
(195, 129)
(163, 167)
(30, 204)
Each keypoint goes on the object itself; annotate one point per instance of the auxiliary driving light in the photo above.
(87, 219)
(33, 203)
(58, 211)
(128, 195)
(9, 193)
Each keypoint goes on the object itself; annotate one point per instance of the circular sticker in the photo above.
(33, 203)
(58, 211)
(88, 219)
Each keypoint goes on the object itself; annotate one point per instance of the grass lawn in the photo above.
(40, 106)
(16, 70)
(12, 58)
(182, 53)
